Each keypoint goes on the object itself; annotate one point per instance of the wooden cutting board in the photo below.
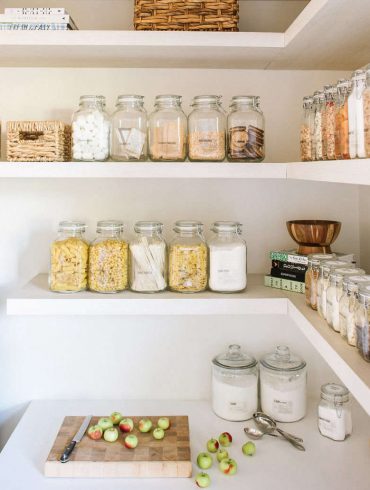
(168, 458)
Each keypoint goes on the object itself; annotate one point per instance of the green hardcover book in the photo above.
(289, 256)
(272, 282)
(286, 284)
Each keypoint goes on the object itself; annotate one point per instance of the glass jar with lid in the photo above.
(227, 258)
(207, 129)
(362, 320)
(90, 130)
(323, 282)
(69, 258)
(306, 129)
(334, 293)
(148, 258)
(188, 258)
(329, 122)
(366, 100)
(341, 120)
(167, 130)
(334, 412)
(348, 304)
(234, 384)
(129, 129)
(312, 276)
(283, 381)
(108, 258)
(318, 107)
(356, 115)
(246, 130)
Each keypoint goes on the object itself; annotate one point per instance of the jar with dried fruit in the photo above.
(318, 104)
(356, 124)
(246, 130)
(188, 258)
(167, 130)
(207, 128)
(366, 97)
(108, 259)
(306, 130)
(341, 120)
(69, 258)
(329, 122)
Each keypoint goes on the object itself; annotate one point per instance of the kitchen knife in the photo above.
(77, 438)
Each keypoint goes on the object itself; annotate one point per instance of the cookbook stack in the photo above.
(288, 269)
(36, 19)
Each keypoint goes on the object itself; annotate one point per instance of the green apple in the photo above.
(105, 423)
(164, 423)
(249, 448)
(212, 445)
(111, 434)
(204, 461)
(222, 454)
(225, 439)
(131, 441)
(116, 418)
(203, 480)
(126, 425)
(228, 466)
(95, 432)
(158, 433)
(145, 425)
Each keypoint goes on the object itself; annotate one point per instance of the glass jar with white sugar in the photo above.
(348, 304)
(334, 412)
(323, 282)
(227, 258)
(90, 130)
(234, 384)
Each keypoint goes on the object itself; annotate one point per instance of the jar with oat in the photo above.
(167, 130)
(356, 124)
(312, 276)
(362, 320)
(306, 130)
(188, 258)
(341, 120)
(108, 259)
(318, 105)
(348, 304)
(69, 258)
(329, 123)
(246, 130)
(366, 98)
(207, 129)
(129, 129)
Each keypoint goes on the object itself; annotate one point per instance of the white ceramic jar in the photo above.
(234, 384)
(283, 380)
(334, 412)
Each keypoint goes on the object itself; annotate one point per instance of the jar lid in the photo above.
(316, 259)
(330, 264)
(148, 226)
(168, 97)
(364, 291)
(351, 283)
(189, 226)
(109, 225)
(93, 98)
(318, 96)
(227, 226)
(72, 226)
(247, 99)
(282, 359)
(359, 75)
(130, 98)
(339, 273)
(344, 84)
(234, 358)
(334, 392)
(206, 99)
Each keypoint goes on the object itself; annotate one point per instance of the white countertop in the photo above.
(325, 465)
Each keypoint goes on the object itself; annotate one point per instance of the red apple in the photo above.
(95, 432)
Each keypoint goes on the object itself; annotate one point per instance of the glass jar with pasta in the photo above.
(108, 259)
(188, 258)
(68, 258)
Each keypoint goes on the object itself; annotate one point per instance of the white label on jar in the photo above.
(283, 406)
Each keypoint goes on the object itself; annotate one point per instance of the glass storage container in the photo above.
(129, 129)
(362, 320)
(366, 99)
(108, 258)
(329, 123)
(306, 129)
(90, 130)
(323, 282)
(69, 258)
(283, 380)
(318, 105)
(246, 130)
(334, 293)
(334, 412)
(167, 130)
(341, 120)
(356, 115)
(207, 129)
(347, 306)
(312, 276)
(148, 258)
(234, 384)
(227, 258)
(188, 258)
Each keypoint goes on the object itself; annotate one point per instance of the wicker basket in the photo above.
(192, 15)
(38, 141)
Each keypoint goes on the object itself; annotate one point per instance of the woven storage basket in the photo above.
(38, 141)
(192, 15)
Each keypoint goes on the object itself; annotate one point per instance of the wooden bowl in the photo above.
(314, 236)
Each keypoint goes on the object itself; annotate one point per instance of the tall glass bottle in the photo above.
(356, 115)
(366, 98)
(306, 130)
(318, 103)
(341, 120)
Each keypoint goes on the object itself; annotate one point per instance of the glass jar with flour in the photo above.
(334, 412)
(234, 384)
(283, 385)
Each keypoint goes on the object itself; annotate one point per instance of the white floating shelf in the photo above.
(36, 299)
(337, 171)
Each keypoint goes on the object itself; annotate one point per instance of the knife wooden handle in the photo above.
(67, 452)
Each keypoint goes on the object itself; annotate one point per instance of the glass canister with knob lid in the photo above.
(283, 381)
(246, 130)
(129, 129)
(234, 384)
(334, 412)
(362, 320)
(348, 304)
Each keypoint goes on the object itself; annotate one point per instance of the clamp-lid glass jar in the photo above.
(356, 115)
(167, 130)
(312, 276)
(334, 412)
(318, 106)
(366, 100)
(246, 130)
(283, 380)
(108, 258)
(348, 304)
(129, 129)
(341, 120)
(323, 282)
(362, 320)
(335, 291)
(306, 130)
(234, 384)
(207, 129)
(148, 258)
(331, 93)
(69, 258)
(90, 130)
(188, 258)
(227, 258)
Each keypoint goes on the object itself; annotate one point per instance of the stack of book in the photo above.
(36, 19)
(288, 269)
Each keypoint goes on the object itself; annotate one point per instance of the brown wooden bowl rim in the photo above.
(317, 222)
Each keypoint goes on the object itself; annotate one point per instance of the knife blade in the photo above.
(77, 438)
